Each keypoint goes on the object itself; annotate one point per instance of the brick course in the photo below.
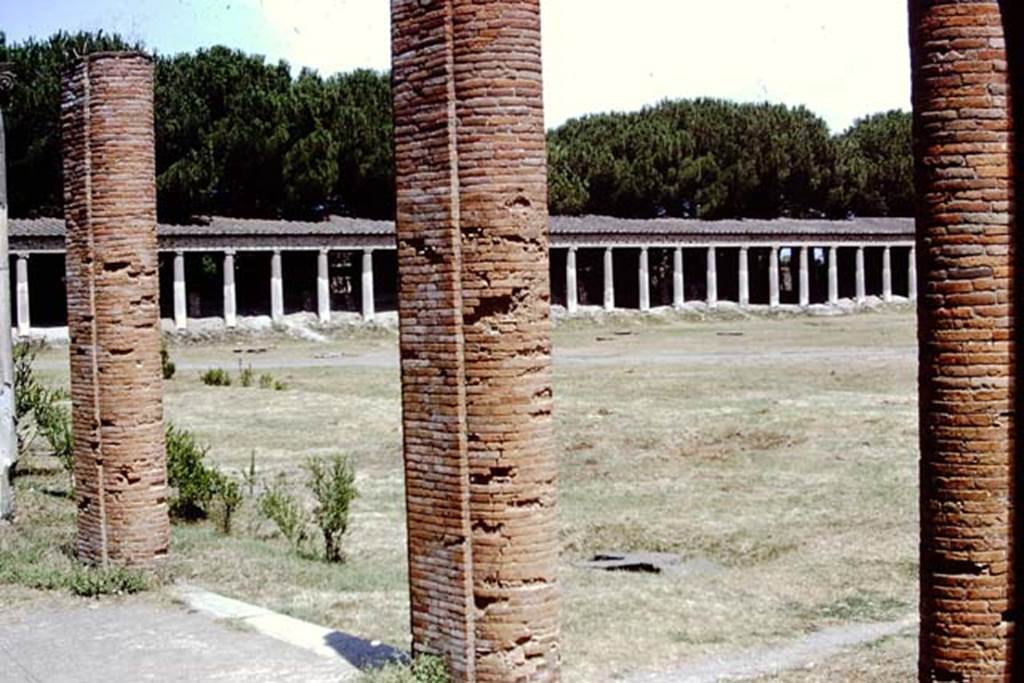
(474, 313)
(964, 152)
(113, 311)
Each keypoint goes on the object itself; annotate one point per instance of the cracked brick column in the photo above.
(474, 313)
(113, 310)
(964, 143)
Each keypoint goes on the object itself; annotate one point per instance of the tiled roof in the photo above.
(560, 225)
(567, 225)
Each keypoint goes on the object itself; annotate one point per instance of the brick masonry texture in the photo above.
(474, 313)
(964, 151)
(110, 210)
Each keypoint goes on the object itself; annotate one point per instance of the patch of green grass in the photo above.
(858, 607)
(35, 552)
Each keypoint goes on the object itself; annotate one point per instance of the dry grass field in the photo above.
(781, 452)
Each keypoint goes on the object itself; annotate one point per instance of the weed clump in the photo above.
(216, 377)
(167, 366)
(83, 581)
(286, 512)
(229, 494)
(424, 669)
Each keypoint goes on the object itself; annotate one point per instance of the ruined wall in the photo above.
(474, 313)
(110, 209)
(964, 142)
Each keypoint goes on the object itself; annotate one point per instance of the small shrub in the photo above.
(53, 418)
(285, 511)
(27, 392)
(424, 669)
(332, 483)
(266, 381)
(40, 410)
(229, 494)
(166, 364)
(279, 385)
(216, 377)
(246, 377)
(192, 481)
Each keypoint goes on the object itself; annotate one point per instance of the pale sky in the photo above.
(841, 59)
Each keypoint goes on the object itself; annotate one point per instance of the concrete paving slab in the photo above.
(356, 652)
(140, 641)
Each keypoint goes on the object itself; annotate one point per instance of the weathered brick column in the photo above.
(113, 310)
(964, 151)
(474, 291)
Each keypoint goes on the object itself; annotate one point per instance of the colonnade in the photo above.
(801, 260)
(801, 255)
(277, 309)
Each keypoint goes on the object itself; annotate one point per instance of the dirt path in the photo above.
(389, 359)
(768, 661)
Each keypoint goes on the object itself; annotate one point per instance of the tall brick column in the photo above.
(113, 310)
(964, 151)
(474, 312)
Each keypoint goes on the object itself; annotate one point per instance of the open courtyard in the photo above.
(776, 455)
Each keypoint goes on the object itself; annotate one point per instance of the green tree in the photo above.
(875, 167)
(33, 116)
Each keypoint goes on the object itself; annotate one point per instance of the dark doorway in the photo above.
(298, 275)
(204, 284)
(627, 278)
(557, 260)
(47, 286)
(385, 280)
(695, 274)
(252, 282)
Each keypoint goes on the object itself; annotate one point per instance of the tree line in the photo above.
(237, 136)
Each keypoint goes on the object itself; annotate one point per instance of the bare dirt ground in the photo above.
(779, 452)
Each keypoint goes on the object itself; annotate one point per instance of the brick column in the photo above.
(472, 236)
(963, 141)
(113, 310)
(609, 280)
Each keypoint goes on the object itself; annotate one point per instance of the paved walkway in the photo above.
(138, 640)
